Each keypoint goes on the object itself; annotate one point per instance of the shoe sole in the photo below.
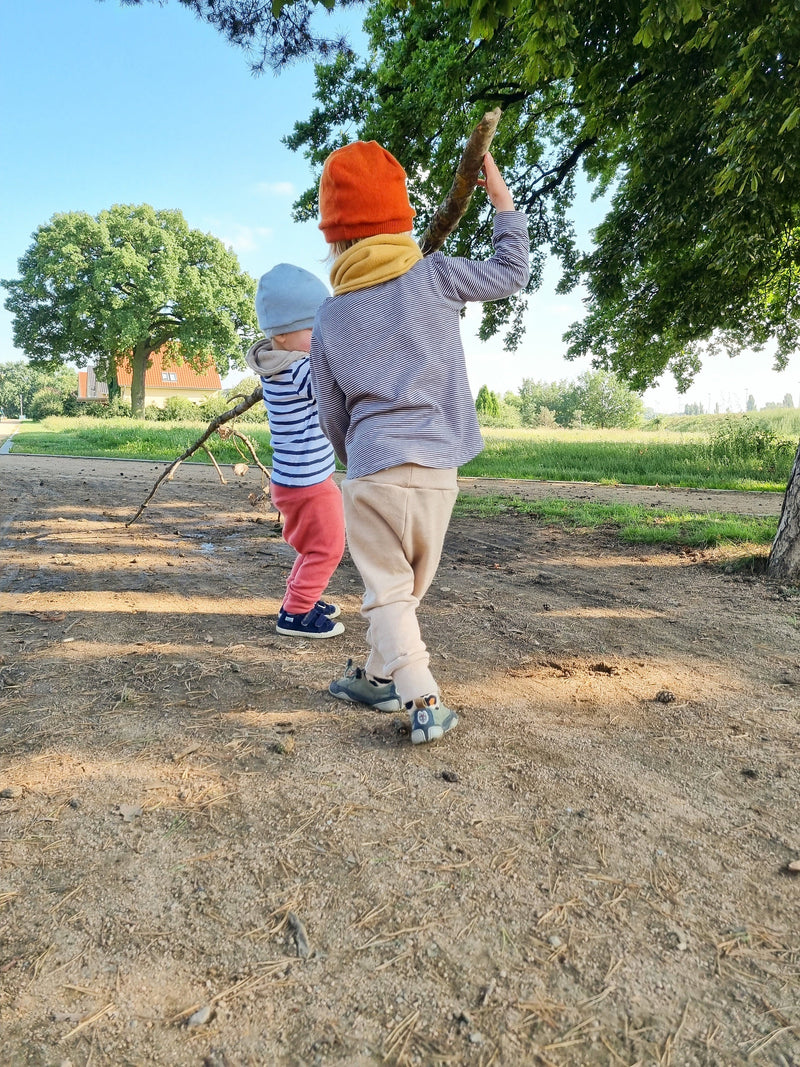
(382, 705)
(334, 632)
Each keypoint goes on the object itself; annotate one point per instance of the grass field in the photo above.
(633, 457)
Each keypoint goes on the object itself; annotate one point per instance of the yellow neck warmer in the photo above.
(374, 260)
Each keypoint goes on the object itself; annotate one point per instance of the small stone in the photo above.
(665, 696)
(11, 792)
(555, 941)
(200, 1017)
(75, 803)
(128, 812)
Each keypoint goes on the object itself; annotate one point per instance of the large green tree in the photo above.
(124, 284)
(686, 115)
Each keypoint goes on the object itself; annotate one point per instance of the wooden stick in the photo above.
(213, 426)
(449, 213)
(252, 451)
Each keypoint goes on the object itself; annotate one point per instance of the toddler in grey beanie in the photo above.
(287, 299)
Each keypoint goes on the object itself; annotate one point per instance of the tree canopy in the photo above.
(124, 284)
(686, 115)
(273, 33)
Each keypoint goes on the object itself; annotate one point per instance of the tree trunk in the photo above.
(139, 361)
(448, 214)
(784, 556)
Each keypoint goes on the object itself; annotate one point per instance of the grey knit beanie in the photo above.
(287, 299)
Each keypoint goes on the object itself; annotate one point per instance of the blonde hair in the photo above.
(335, 248)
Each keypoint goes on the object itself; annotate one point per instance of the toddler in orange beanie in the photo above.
(390, 377)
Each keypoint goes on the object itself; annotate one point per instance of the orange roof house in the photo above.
(161, 381)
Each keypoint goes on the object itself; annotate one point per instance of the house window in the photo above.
(169, 376)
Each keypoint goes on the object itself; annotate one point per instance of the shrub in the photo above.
(545, 418)
(213, 406)
(45, 402)
(741, 438)
(179, 409)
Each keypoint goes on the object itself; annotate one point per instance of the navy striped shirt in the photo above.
(301, 454)
(387, 362)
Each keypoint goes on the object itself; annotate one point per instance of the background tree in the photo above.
(487, 402)
(751, 402)
(788, 400)
(35, 392)
(125, 284)
(607, 401)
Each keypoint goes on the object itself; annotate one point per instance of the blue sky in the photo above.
(103, 104)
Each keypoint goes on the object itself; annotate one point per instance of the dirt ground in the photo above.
(207, 860)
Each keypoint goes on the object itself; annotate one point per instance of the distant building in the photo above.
(160, 383)
(90, 389)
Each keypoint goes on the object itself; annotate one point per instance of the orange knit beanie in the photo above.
(362, 192)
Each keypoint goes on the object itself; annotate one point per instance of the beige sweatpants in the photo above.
(396, 522)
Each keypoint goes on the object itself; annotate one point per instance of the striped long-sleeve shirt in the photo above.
(301, 454)
(387, 362)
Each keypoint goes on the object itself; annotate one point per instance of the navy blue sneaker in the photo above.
(430, 719)
(333, 611)
(314, 623)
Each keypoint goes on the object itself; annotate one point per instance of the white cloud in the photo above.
(275, 189)
(243, 239)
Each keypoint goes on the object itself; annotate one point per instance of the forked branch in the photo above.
(243, 405)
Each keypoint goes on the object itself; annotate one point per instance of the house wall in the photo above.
(156, 397)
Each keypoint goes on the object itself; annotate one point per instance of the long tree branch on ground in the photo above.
(243, 405)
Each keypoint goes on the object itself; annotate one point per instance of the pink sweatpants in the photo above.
(396, 523)
(313, 524)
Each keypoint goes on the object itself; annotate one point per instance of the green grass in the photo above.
(621, 457)
(784, 421)
(123, 438)
(634, 457)
(632, 523)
